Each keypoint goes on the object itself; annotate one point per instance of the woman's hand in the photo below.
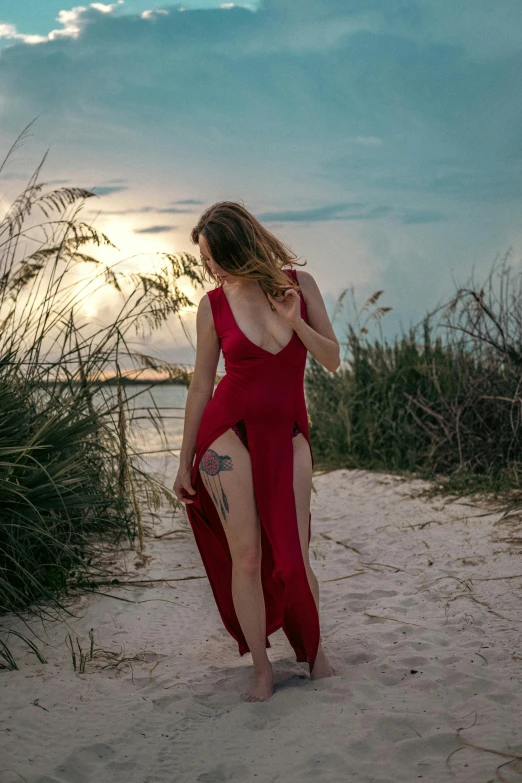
(288, 306)
(182, 485)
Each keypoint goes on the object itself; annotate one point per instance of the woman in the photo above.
(245, 470)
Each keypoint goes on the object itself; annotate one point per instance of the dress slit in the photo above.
(240, 429)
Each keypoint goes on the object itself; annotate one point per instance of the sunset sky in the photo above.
(380, 139)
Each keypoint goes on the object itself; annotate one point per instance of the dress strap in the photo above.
(293, 274)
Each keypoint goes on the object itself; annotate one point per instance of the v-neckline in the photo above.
(259, 348)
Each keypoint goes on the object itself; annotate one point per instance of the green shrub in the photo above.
(448, 406)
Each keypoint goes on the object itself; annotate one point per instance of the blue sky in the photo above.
(380, 139)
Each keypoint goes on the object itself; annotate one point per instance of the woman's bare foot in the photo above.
(263, 686)
(321, 666)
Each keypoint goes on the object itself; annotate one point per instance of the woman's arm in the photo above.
(318, 334)
(199, 393)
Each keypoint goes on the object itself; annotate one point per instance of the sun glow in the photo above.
(134, 253)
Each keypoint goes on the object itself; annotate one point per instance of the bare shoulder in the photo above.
(207, 349)
(205, 317)
(304, 277)
(204, 304)
(307, 282)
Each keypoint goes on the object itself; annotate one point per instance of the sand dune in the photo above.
(418, 618)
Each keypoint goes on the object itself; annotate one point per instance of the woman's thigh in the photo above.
(226, 471)
(302, 489)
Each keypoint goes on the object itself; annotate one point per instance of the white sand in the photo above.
(420, 651)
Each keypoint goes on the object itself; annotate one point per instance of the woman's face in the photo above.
(206, 256)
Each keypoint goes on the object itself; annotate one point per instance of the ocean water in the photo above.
(156, 443)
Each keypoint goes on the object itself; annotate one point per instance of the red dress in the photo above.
(263, 394)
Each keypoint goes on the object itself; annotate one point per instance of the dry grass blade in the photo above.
(383, 565)
(150, 581)
(347, 576)
(394, 619)
(467, 744)
(482, 603)
(340, 543)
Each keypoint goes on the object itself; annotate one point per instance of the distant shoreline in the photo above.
(123, 382)
(132, 382)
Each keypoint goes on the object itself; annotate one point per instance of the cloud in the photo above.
(107, 190)
(422, 216)
(484, 30)
(486, 184)
(154, 230)
(366, 141)
(326, 213)
(9, 32)
(15, 175)
(71, 20)
(151, 14)
(147, 210)
(364, 103)
(369, 95)
(372, 96)
(350, 211)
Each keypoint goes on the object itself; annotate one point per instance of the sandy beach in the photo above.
(421, 616)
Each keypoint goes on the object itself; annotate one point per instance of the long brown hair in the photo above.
(241, 246)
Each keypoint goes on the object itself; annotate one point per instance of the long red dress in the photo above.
(264, 393)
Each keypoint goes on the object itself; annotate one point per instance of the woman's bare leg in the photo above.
(232, 491)
(303, 492)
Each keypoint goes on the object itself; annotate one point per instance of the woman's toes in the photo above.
(262, 688)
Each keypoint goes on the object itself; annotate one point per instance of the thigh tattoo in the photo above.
(211, 465)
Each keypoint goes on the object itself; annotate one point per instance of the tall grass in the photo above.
(441, 402)
(69, 479)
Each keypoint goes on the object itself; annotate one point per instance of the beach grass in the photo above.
(441, 402)
(71, 486)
